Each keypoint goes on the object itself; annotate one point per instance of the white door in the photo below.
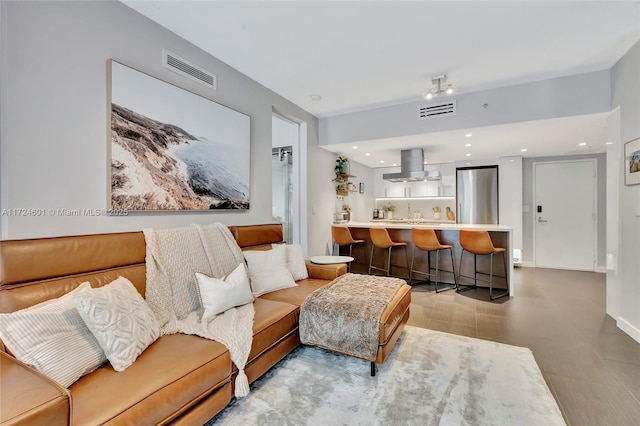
(565, 215)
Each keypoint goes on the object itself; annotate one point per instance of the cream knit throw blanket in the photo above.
(172, 258)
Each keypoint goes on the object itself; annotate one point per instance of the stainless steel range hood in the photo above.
(412, 168)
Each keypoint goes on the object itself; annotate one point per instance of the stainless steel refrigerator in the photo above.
(477, 195)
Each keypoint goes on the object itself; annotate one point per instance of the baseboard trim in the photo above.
(598, 269)
(628, 328)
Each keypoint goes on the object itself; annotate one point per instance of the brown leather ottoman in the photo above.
(356, 315)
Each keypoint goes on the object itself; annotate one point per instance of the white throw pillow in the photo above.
(268, 270)
(217, 295)
(295, 261)
(52, 338)
(120, 319)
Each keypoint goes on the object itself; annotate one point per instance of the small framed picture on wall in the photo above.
(632, 162)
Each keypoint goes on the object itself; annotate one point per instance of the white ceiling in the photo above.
(363, 54)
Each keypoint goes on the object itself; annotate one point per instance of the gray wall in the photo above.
(623, 227)
(527, 200)
(559, 97)
(53, 145)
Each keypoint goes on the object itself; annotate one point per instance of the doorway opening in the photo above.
(288, 153)
(282, 189)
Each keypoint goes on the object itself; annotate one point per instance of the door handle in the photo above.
(541, 220)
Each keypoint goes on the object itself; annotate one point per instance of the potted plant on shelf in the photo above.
(342, 166)
(388, 210)
(341, 170)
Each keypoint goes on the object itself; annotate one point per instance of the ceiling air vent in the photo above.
(185, 68)
(441, 109)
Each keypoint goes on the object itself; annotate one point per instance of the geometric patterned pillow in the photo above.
(52, 338)
(120, 319)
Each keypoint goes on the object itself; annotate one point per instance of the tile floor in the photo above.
(591, 367)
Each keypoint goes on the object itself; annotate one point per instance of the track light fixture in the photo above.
(439, 89)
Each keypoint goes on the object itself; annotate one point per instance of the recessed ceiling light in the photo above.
(582, 143)
(395, 164)
(467, 145)
(381, 161)
(468, 135)
(315, 98)
(425, 162)
(524, 150)
(367, 154)
(468, 164)
(468, 155)
(609, 143)
(354, 147)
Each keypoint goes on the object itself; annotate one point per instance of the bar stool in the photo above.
(342, 237)
(380, 238)
(479, 243)
(427, 240)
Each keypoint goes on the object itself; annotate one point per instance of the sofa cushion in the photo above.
(273, 321)
(52, 338)
(173, 373)
(268, 270)
(296, 295)
(218, 295)
(120, 320)
(29, 398)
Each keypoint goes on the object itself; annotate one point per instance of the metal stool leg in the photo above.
(389, 261)
(453, 268)
(463, 287)
(475, 269)
(506, 277)
(371, 258)
(413, 256)
(437, 269)
(406, 257)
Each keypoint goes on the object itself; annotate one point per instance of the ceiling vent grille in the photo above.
(187, 69)
(441, 109)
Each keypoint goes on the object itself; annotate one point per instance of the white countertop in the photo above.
(404, 225)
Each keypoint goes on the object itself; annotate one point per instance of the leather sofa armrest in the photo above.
(326, 272)
(29, 398)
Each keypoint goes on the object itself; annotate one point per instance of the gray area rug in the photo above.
(431, 378)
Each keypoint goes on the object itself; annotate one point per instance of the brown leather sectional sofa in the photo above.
(179, 379)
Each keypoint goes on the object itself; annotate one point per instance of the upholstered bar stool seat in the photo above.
(380, 238)
(342, 237)
(427, 240)
(479, 243)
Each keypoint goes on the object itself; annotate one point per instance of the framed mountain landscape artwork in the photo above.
(173, 150)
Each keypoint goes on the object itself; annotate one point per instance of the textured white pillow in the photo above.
(52, 338)
(268, 270)
(120, 319)
(217, 295)
(295, 261)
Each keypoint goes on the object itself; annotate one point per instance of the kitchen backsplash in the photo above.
(409, 209)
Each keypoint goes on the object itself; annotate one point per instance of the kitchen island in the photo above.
(448, 233)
